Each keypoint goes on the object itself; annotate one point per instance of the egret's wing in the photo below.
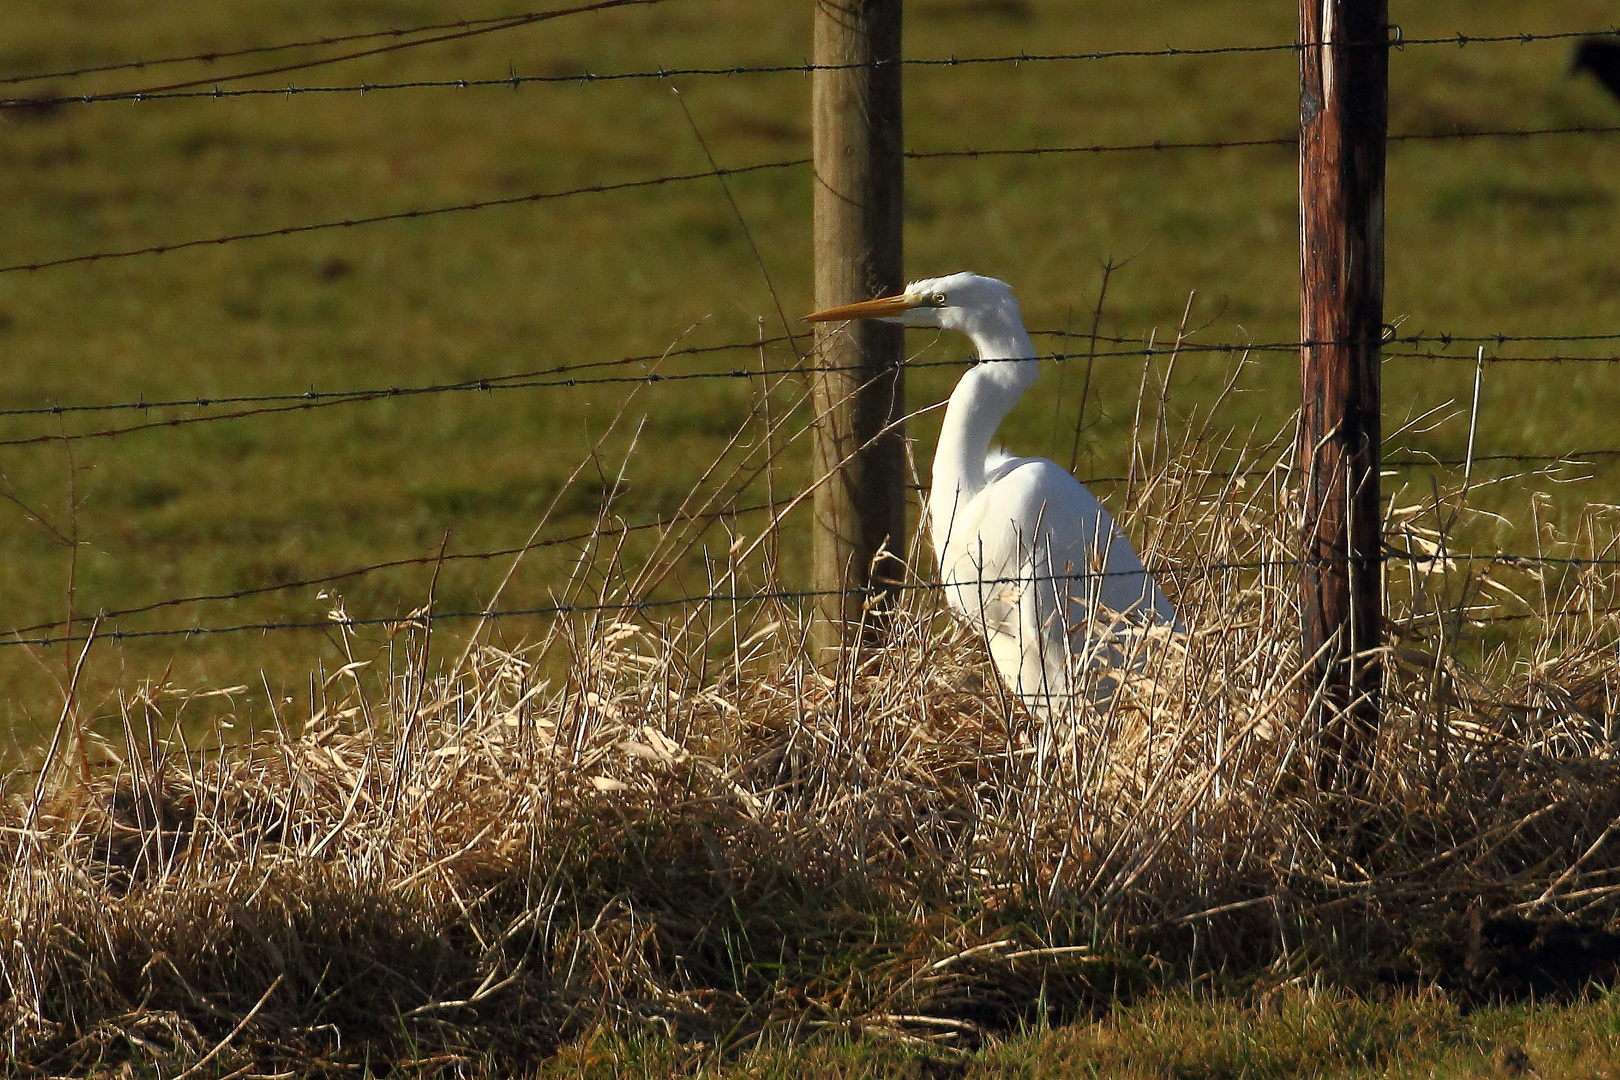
(998, 576)
(1037, 565)
(1082, 544)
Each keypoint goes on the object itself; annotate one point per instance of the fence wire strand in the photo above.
(514, 81)
(566, 376)
(215, 55)
(471, 30)
(476, 384)
(391, 564)
(1158, 145)
(1169, 571)
(1419, 347)
(403, 215)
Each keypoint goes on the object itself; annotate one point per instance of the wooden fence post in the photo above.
(859, 386)
(1343, 119)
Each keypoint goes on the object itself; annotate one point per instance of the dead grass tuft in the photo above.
(695, 827)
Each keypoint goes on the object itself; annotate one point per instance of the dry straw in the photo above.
(700, 828)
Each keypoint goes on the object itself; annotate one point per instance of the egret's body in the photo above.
(1026, 554)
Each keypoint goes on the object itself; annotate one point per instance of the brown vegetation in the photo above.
(692, 826)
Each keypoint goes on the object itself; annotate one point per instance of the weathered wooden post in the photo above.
(1343, 119)
(859, 384)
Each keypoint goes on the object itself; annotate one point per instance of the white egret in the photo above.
(1026, 554)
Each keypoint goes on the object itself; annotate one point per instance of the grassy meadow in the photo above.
(1485, 236)
(1293, 1033)
(676, 845)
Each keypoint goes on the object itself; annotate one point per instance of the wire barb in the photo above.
(1157, 145)
(627, 607)
(180, 91)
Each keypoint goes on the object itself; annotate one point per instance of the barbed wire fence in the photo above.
(173, 413)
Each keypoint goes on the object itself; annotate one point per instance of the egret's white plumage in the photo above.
(1026, 554)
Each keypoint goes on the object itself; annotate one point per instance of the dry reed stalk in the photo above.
(693, 826)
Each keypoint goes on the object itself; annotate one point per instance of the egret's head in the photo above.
(964, 302)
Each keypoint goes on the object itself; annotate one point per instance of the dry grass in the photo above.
(693, 827)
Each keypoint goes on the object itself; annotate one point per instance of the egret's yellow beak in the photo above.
(867, 309)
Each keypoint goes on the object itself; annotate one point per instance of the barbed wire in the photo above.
(728, 513)
(1567, 457)
(1282, 140)
(1472, 617)
(475, 384)
(215, 55)
(1158, 145)
(1504, 133)
(310, 400)
(1168, 571)
(1441, 338)
(306, 403)
(1411, 460)
(565, 376)
(471, 30)
(396, 564)
(405, 215)
(515, 81)
(1462, 40)
(535, 379)
(1462, 359)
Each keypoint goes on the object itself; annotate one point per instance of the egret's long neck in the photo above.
(982, 398)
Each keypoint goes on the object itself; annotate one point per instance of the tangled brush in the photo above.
(703, 827)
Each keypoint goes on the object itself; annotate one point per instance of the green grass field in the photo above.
(1287, 1034)
(1486, 236)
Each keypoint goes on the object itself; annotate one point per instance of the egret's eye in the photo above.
(938, 299)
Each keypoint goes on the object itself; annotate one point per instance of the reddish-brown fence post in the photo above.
(1343, 120)
(859, 388)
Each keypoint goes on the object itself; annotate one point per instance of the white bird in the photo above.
(1026, 554)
